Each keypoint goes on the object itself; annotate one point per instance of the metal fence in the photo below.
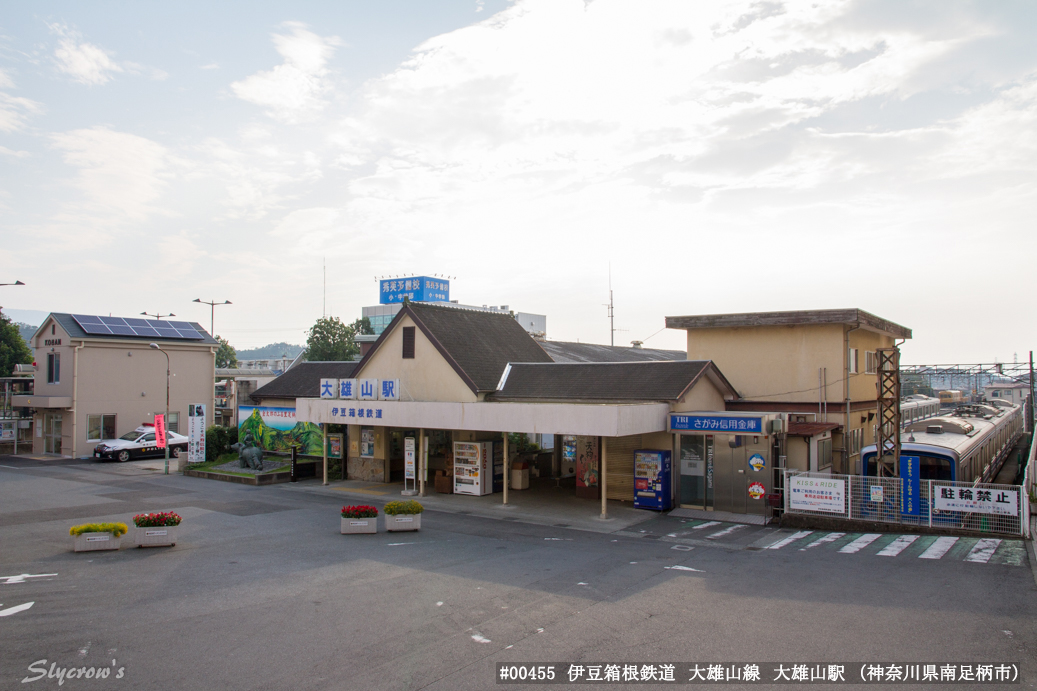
(964, 506)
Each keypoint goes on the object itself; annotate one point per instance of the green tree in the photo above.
(226, 356)
(13, 349)
(332, 340)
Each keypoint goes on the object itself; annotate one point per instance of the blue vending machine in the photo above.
(652, 480)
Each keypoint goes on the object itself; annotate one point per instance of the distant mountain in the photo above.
(26, 331)
(274, 350)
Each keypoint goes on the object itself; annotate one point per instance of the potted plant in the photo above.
(90, 537)
(359, 519)
(403, 515)
(156, 529)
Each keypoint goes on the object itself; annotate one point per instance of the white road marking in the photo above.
(397, 544)
(581, 583)
(725, 531)
(10, 466)
(439, 604)
(708, 524)
(683, 568)
(938, 548)
(790, 539)
(479, 638)
(830, 537)
(897, 546)
(860, 543)
(983, 550)
(8, 580)
(14, 610)
(682, 548)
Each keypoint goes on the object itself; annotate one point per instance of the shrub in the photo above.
(116, 529)
(410, 506)
(216, 442)
(156, 520)
(360, 511)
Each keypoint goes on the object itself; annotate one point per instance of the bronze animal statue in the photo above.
(249, 456)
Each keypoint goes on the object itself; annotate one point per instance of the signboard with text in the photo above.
(1000, 502)
(415, 289)
(911, 496)
(196, 433)
(817, 494)
(717, 423)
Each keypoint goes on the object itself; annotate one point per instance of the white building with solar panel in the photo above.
(99, 378)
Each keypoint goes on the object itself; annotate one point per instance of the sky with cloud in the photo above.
(715, 157)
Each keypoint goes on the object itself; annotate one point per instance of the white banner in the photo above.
(408, 458)
(196, 433)
(817, 494)
(1000, 502)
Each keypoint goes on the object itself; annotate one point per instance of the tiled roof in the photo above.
(609, 381)
(74, 330)
(478, 345)
(303, 380)
(562, 351)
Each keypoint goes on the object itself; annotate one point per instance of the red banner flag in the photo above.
(160, 431)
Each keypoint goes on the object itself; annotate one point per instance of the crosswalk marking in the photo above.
(707, 524)
(860, 543)
(940, 547)
(897, 546)
(983, 550)
(790, 539)
(725, 531)
(830, 537)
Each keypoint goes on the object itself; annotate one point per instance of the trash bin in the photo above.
(520, 475)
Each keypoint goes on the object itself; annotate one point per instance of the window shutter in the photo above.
(408, 342)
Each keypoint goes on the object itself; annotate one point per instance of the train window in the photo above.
(933, 468)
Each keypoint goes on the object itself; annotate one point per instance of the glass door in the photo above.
(52, 434)
(693, 470)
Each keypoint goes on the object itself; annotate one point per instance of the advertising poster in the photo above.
(276, 429)
(912, 492)
(196, 433)
(587, 486)
(408, 458)
(817, 494)
(568, 456)
(367, 442)
(334, 446)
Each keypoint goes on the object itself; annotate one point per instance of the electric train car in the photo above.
(951, 397)
(967, 445)
(917, 407)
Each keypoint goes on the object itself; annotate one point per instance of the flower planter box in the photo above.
(404, 521)
(156, 537)
(353, 526)
(92, 542)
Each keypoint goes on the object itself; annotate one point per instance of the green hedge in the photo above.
(218, 441)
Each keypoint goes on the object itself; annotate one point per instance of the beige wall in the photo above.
(797, 453)
(124, 378)
(428, 377)
(703, 396)
(761, 361)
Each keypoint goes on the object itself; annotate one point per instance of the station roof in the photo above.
(810, 429)
(607, 381)
(303, 380)
(853, 316)
(563, 351)
(478, 345)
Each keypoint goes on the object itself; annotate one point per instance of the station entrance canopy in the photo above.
(605, 420)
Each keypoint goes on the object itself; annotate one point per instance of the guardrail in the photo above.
(965, 506)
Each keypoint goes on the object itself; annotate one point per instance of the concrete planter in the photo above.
(93, 542)
(354, 526)
(156, 537)
(403, 521)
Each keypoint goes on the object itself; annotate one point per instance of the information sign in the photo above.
(408, 458)
(910, 499)
(196, 433)
(1000, 502)
(717, 423)
(817, 494)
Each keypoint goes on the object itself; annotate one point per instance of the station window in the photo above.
(824, 454)
(53, 368)
(851, 361)
(871, 362)
(408, 342)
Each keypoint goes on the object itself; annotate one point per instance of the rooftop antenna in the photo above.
(612, 311)
(324, 305)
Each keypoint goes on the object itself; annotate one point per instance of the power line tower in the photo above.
(888, 442)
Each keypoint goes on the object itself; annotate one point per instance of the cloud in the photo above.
(296, 88)
(120, 175)
(14, 110)
(84, 62)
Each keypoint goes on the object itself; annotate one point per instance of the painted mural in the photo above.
(276, 429)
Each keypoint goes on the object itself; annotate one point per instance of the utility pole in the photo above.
(612, 311)
(1029, 401)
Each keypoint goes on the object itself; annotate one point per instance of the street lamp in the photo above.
(212, 315)
(16, 283)
(157, 315)
(166, 425)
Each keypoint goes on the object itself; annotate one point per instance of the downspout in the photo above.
(846, 398)
(75, 395)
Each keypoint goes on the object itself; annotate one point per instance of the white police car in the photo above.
(140, 443)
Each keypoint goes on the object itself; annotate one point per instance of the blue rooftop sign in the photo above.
(415, 289)
(716, 423)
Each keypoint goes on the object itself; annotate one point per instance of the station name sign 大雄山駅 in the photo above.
(415, 289)
(716, 423)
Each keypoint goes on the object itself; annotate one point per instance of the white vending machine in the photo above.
(472, 471)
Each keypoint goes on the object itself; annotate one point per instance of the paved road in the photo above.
(262, 592)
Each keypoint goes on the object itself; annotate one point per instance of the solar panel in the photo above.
(142, 328)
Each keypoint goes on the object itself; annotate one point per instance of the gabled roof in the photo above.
(303, 380)
(608, 381)
(853, 316)
(810, 429)
(74, 330)
(478, 345)
(562, 351)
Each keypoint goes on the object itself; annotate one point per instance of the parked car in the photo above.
(140, 443)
